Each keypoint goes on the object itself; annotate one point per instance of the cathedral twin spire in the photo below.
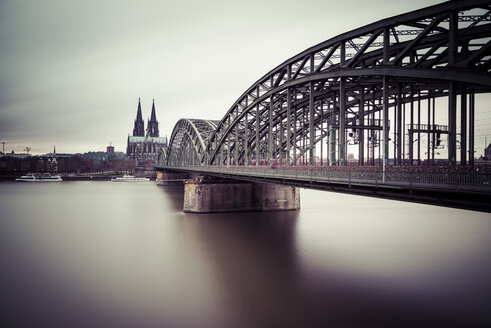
(152, 125)
(139, 130)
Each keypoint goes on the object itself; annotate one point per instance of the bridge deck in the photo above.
(470, 190)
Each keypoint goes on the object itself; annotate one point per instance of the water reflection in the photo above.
(254, 259)
(122, 255)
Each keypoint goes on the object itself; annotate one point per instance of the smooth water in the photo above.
(102, 254)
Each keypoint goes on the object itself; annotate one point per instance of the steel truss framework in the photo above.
(374, 86)
(188, 141)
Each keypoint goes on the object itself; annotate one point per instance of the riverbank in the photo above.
(94, 177)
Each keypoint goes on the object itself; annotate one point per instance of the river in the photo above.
(102, 254)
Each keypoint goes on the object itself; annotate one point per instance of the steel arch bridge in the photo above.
(374, 87)
(188, 142)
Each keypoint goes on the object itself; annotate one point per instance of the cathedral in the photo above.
(145, 148)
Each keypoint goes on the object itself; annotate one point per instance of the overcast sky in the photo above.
(71, 72)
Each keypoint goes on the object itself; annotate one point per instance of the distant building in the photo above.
(110, 149)
(145, 148)
(52, 162)
(15, 155)
(101, 161)
(487, 152)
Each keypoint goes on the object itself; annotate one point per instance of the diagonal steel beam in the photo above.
(416, 40)
(364, 48)
(327, 57)
(302, 64)
(476, 56)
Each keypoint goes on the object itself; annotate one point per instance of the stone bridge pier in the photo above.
(203, 194)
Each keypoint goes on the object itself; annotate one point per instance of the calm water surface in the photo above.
(101, 254)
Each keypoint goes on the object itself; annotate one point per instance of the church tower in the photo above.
(139, 130)
(153, 125)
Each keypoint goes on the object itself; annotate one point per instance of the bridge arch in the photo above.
(356, 80)
(188, 141)
(374, 87)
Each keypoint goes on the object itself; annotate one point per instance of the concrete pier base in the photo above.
(170, 178)
(209, 196)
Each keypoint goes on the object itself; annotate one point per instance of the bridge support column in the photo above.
(385, 124)
(288, 122)
(311, 125)
(411, 123)
(463, 127)
(342, 117)
(332, 147)
(471, 127)
(452, 125)
(213, 196)
(398, 127)
(270, 131)
(361, 141)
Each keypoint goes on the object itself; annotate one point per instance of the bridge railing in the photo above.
(427, 178)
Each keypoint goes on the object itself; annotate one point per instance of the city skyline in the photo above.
(72, 73)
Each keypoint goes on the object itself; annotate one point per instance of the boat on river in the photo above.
(129, 178)
(39, 178)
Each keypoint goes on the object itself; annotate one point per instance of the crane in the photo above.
(6, 142)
